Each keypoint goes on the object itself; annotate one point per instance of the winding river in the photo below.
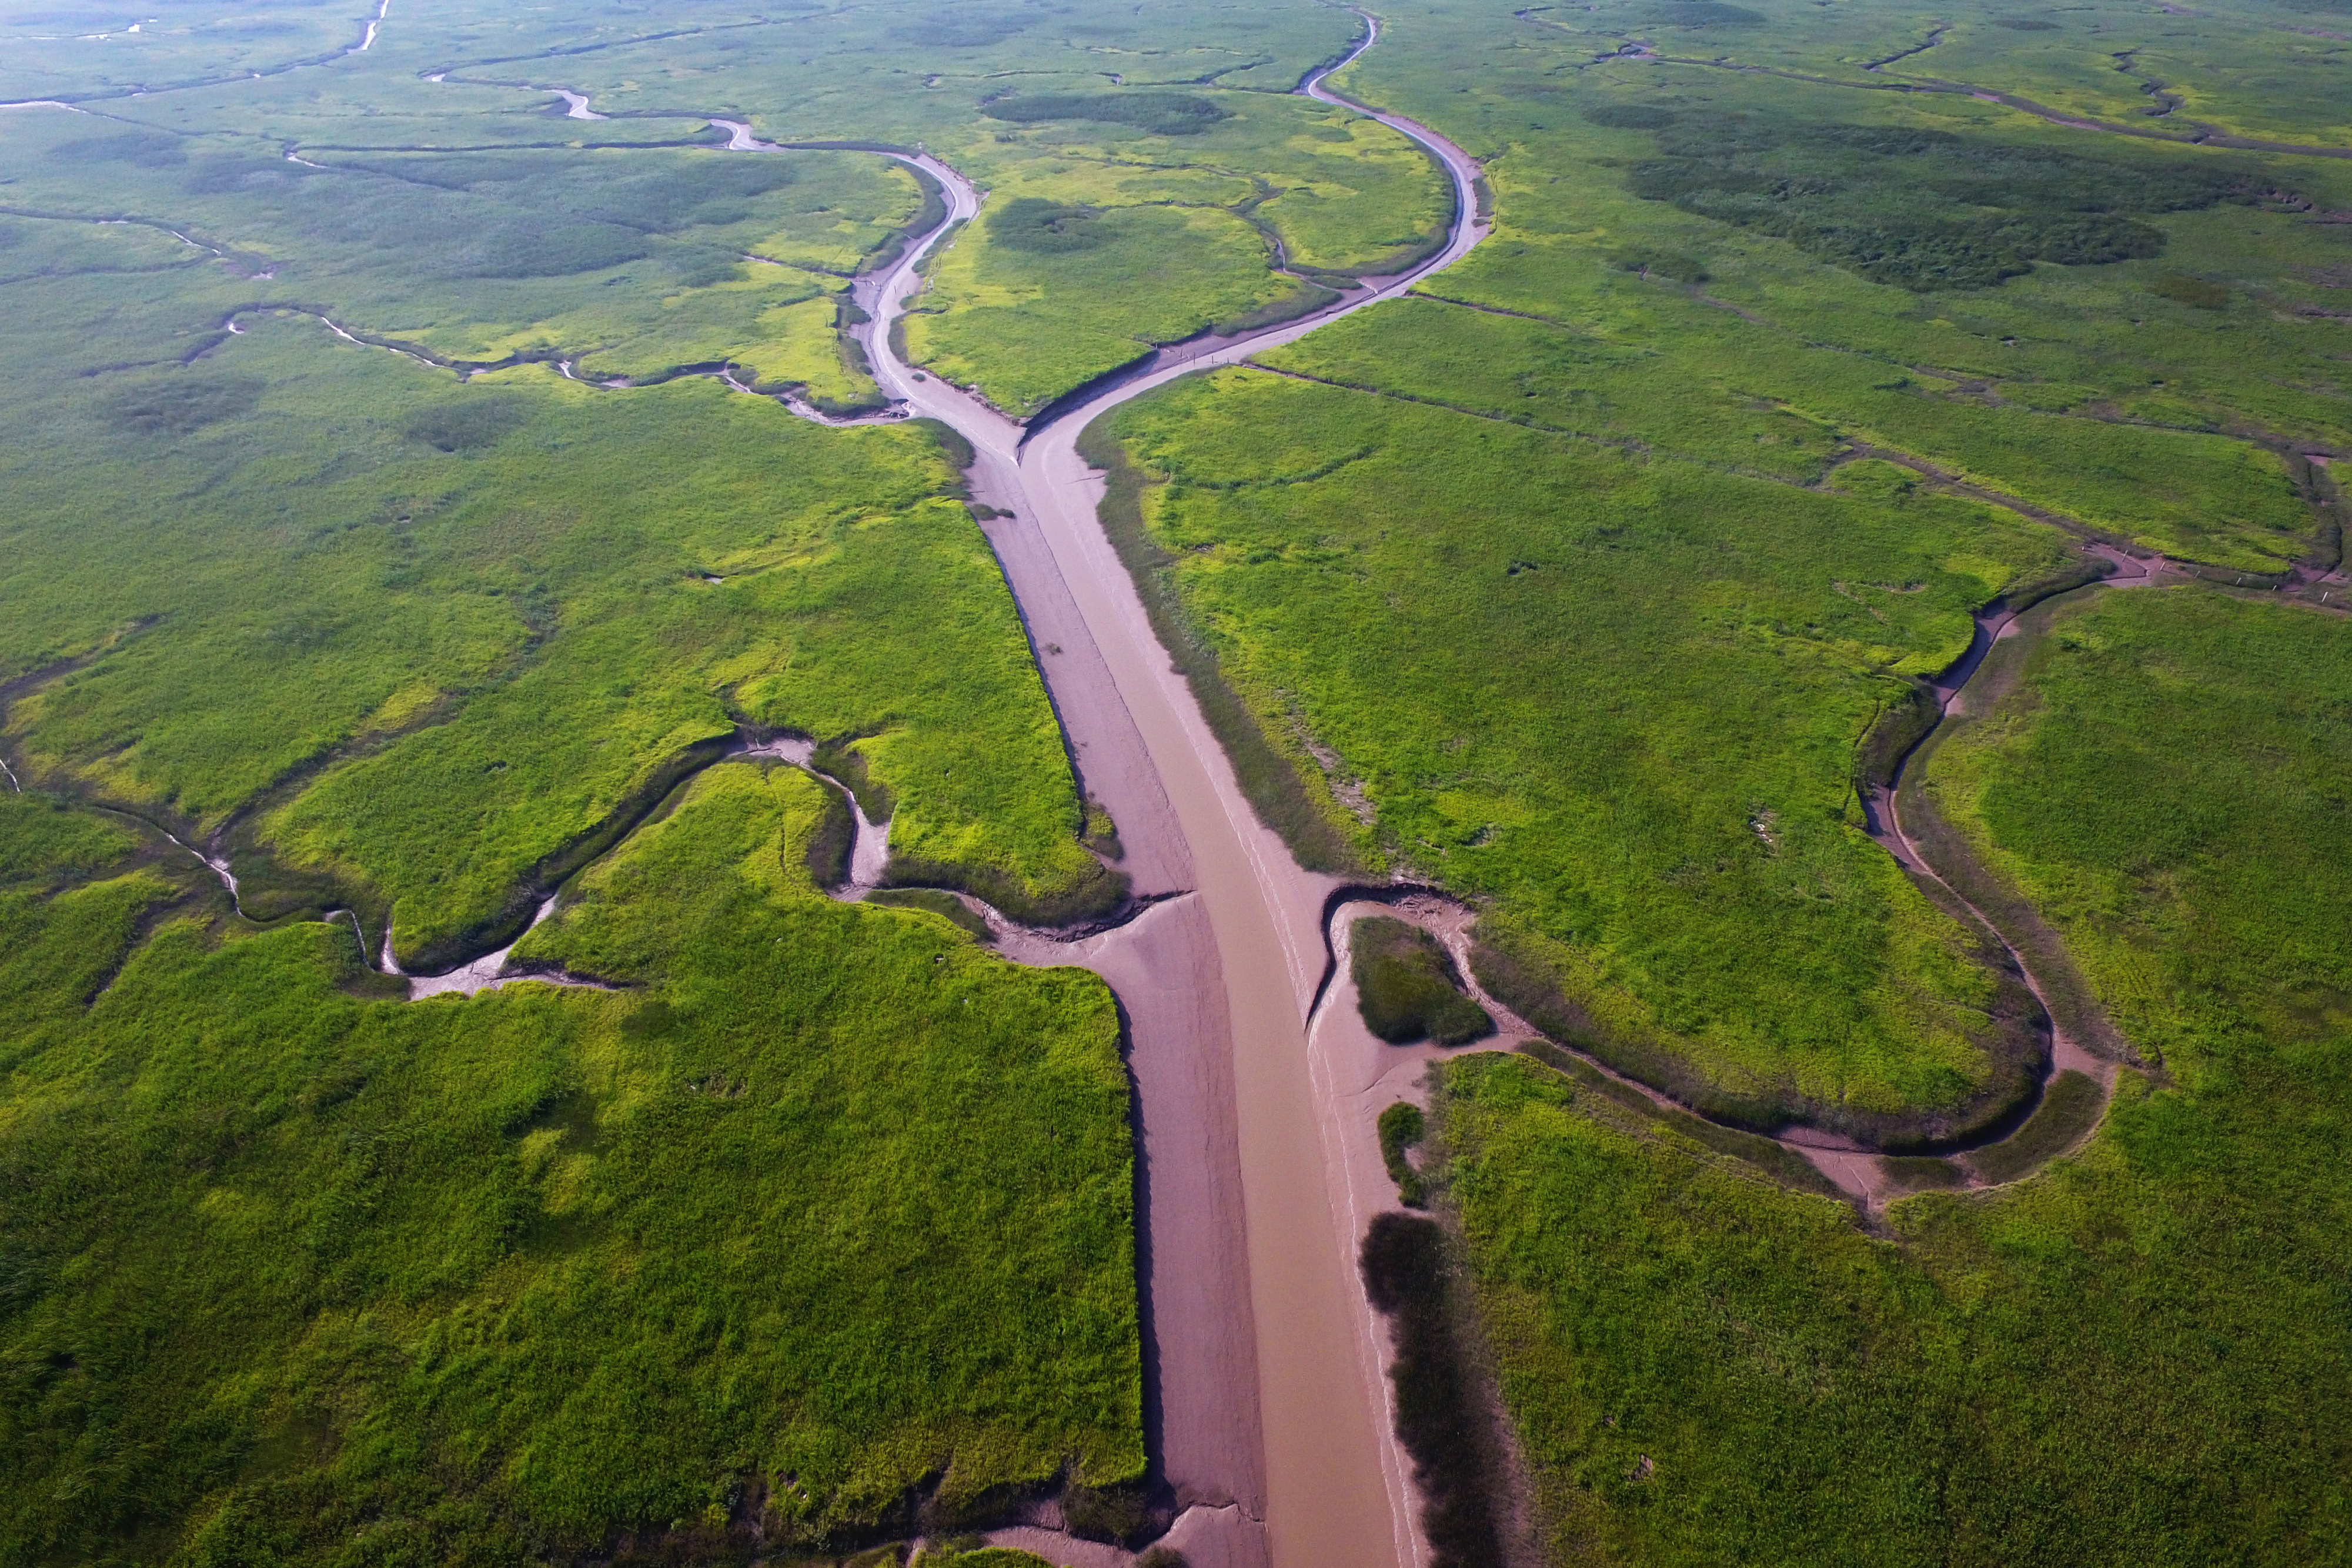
(1267, 1366)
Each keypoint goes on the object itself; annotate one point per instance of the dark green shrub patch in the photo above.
(1406, 1274)
(1041, 227)
(141, 149)
(1122, 1514)
(1693, 15)
(1402, 1126)
(1922, 208)
(466, 424)
(1407, 986)
(1631, 117)
(1671, 264)
(1161, 113)
(184, 402)
(2198, 292)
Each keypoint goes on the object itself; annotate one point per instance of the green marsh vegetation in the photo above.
(628, 261)
(821, 1203)
(1407, 986)
(418, 641)
(1703, 1367)
(468, 660)
(288, 1263)
(1617, 697)
(47, 48)
(2248, 67)
(2078, 388)
(2069, 1369)
(1104, 249)
(1305, 551)
(1217, 196)
(1231, 195)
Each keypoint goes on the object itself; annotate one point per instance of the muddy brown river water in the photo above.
(1268, 1367)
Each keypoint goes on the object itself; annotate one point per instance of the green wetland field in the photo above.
(1889, 1109)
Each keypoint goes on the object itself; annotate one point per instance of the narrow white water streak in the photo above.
(869, 850)
(218, 867)
(11, 772)
(367, 38)
(487, 973)
(576, 104)
(741, 139)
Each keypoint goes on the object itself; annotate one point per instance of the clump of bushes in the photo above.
(1041, 227)
(1401, 1127)
(1630, 117)
(1161, 113)
(1703, 13)
(1671, 264)
(525, 249)
(1926, 209)
(1405, 1274)
(466, 424)
(142, 148)
(1120, 1514)
(1407, 986)
(2192, 291)
(184, 402)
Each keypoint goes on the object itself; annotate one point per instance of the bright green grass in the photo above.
(510, 228)
(1165, 236)
(1552, 378)
(1618, 697)
(2064, 351)
(1024, 331)
(2215, 733)
(828, 1201)
(515, 636)
(807, 633)
(1690, 388)
(2068, 1370)
(41, 837)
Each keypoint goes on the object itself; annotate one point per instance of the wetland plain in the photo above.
(1442, 785)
